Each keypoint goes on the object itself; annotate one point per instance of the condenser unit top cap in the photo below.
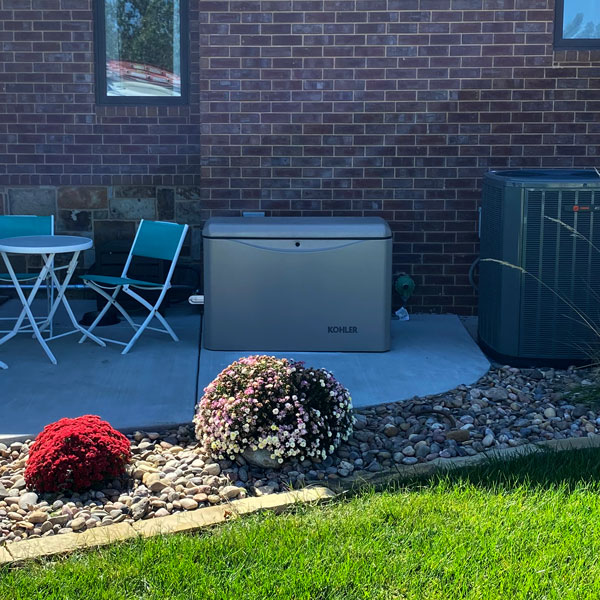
(549, 177)
(339, 228)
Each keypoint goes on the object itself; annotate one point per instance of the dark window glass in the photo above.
(577, 24)
(141, 51)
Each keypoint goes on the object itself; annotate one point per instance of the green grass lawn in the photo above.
(525, 529)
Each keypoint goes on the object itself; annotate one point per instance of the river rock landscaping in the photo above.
(169, 472)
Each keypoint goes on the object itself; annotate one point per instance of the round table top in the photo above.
(44, 244)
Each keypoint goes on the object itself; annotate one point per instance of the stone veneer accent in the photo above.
(393, 108)
(112, 213)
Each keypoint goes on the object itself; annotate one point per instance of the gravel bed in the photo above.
(169, 473)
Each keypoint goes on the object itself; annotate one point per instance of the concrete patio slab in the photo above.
(156, 385)
(152, 386)
(430, 354)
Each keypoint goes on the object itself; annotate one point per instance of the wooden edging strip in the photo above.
(213, 515)
(178, 522)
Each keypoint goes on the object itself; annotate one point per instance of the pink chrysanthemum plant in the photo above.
(273, 404)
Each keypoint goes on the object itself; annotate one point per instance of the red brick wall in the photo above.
(323, 107)
(52, 133)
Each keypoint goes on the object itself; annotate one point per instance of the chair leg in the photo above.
(123, 312)
(110, 302)
(100, 314)
(154, 310)
(152, 313)
(166, 326)
(141, 328)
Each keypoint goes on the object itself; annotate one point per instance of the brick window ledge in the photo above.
(580, 57)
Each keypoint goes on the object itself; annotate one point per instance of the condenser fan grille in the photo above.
(553, 315)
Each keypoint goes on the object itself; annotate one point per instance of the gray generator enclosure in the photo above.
(544, 224)
(297, 283)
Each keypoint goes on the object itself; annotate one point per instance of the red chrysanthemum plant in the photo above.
(74, 454)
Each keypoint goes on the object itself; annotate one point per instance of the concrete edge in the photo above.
(9, 438)
(403, 472)
(176, 523)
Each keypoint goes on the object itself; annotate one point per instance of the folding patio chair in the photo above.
(154, 239)
(19, 225)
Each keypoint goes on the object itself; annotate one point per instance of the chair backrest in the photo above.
(159, 240)
(17, 225)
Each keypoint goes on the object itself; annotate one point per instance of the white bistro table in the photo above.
(47, 246)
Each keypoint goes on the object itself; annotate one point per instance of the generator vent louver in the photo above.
(537, 314)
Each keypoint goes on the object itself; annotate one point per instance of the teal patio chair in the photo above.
(154, 239)
(19, 225)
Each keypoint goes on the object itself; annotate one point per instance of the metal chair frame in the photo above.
(153, 239)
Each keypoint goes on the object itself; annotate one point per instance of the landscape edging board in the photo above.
(175, 523)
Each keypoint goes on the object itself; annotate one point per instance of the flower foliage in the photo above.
(72, 454)
(276, 404)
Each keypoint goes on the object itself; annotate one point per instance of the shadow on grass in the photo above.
(546, 469)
